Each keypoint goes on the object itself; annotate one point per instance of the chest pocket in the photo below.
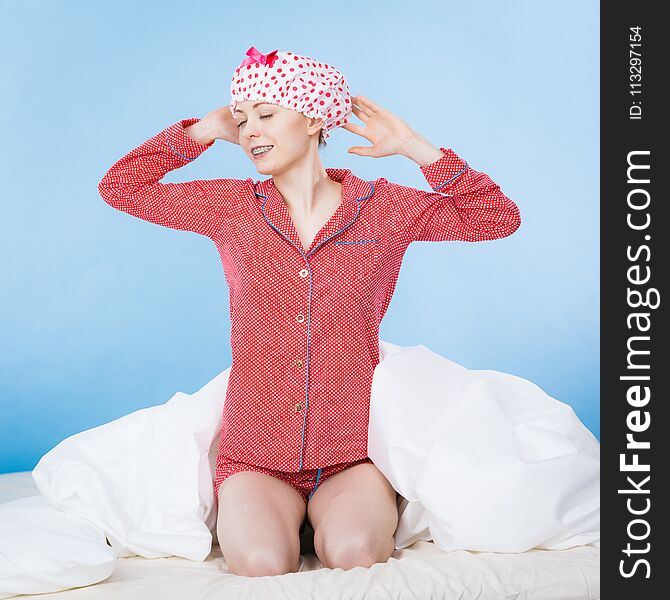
(355, 260)
(358, 242)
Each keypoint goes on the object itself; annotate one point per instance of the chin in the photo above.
(263, 169)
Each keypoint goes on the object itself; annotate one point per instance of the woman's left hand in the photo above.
(388, 133)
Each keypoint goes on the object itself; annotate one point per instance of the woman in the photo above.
(311, 257)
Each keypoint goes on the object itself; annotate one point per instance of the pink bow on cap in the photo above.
(255, 56)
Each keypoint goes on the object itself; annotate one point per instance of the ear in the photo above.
(315, 125)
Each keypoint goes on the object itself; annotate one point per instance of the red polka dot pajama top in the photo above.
(305, 325)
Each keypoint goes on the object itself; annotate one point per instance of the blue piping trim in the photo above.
(357, 242)
(435, 189)
(309, 305)
(167, 140)
(318, 475)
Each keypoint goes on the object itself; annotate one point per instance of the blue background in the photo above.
(103, 314)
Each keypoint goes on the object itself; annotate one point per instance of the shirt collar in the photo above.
(355, 193)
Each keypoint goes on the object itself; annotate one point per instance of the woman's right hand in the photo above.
(216, 125)
(221, 124)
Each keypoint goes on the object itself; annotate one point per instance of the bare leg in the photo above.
(258, 524)
(354, 515)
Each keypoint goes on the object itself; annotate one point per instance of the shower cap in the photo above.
(296, 82)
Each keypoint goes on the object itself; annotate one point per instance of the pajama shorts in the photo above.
(305, 481)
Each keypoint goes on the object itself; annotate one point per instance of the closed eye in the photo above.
(262, 117)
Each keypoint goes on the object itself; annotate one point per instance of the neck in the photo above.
(303, 184)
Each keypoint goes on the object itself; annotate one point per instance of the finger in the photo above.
(360, 109)
(368, 104)
(361, 115)
(361, 150)
(357, 129)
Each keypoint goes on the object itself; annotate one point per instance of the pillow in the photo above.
(485, 461)
(43, 549)
(146, 479)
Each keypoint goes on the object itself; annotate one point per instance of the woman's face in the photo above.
(289, 132)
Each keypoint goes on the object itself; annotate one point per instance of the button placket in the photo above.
(300, 318)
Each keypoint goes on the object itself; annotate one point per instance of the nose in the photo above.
(250, 129)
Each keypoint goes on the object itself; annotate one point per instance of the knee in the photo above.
(358, 549)
(256, 563)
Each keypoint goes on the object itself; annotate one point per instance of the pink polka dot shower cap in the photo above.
(295, 82)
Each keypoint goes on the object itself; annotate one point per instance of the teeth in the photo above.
(261, 150)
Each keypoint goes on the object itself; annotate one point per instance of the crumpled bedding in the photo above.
(420, 571)
(483, 461)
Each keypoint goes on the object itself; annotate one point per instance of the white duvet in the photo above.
(482, 460)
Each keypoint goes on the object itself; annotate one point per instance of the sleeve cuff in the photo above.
(183, 145)
(445, 170)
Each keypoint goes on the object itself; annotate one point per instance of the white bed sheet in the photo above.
(421, 571)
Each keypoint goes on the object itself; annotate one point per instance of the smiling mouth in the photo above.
(260, 154)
